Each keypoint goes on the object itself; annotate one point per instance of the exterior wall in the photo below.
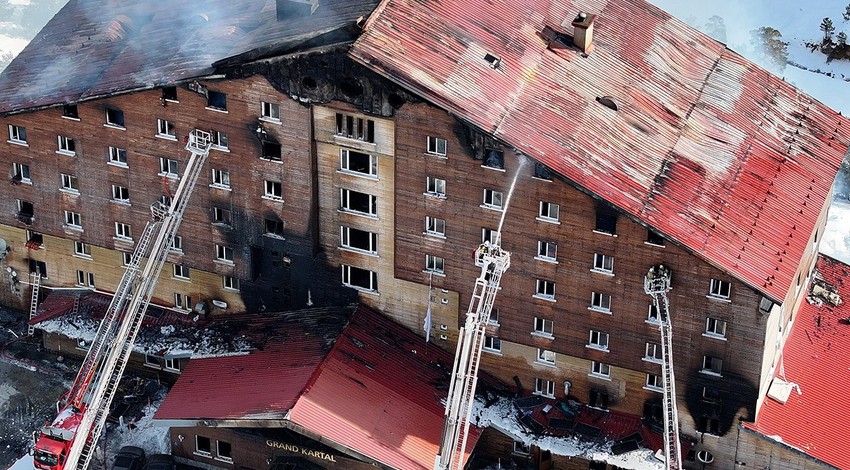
(758, 451)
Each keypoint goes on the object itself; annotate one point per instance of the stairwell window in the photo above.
(270, 112)
(67, 146)
(544, 356)
(600, 302)
(544, 290)
(435, 187)
(358, 203)
(492, 199)
(436, 146)
(118, 156)
(492, 344)
(358, 163)
(21, 173)
(224, 254)
(216, 100)
(165, 129)
(544, 387)
(70, 183)
(435, 227)
(719, 289)
(360, 279)
(355, 127)
(435, 265)
(82, 250)
(273, 190)
(654, 383)
(547, 251)
(543, 327)
(114, 118)
(712, 365)
(73, 220)
(168, 167)
(230, 283)
(715, 328)
(653, 353)
(17, 135)
(120, 194)
(600, 369)
(549, 212)
(359, 240)
(603, 264)
(123, 231)
(598, 340)
(220, 179)
(85, 279)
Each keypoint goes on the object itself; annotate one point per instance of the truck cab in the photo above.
(54, 441)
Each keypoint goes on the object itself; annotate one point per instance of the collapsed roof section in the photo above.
(96, 48)
(700, 144)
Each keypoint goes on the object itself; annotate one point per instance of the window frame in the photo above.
(165, 129)
(544, 289)
(545, 356)
(70, 183)
(603, 264)
(598, 301)
(21, 171)
(114, 120)
(490, 197)
(350, 126)
(345, 239)
(18, 135)
(345, 163)
(82, 249)
(345, 203)
(544, 387)
(73, 220)
(222, 217)
(269, 111)
(435, 264)
(216, 101)
(230, 283)
(543, 250)
(179, 271)
(347, 274)
(66, 145)
(492, 344)
(117, 156)
(169, 167)
(220, 178)
(123, 231)
(224, 253)
(717, 287)
(432, 146)
(715, 328)
(712, 366)
(654, 382)
(272, 223)
(598, 340)
(199, 451)
(549, 212)
(219, 455)
(273, 190)
(540, 325)
(435, 187)
(600, 369)
(118, 191)
(433, 226)
(219, 141)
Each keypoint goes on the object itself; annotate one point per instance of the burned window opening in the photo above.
(351, 87)
(169, 93)
(70, 111)
(217, 100)
(355, 127)
(309, 83)
(495, 159)
(541, 171)
(271, 151)
(395, 100)
(114, 117)
(606, 220)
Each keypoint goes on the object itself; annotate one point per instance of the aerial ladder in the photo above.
(69, 441)
(657, 284)
(493, 262)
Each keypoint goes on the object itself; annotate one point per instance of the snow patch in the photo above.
(836, 237)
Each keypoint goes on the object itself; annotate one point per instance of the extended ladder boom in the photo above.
(657, 284)
(493, 262)
(117, 333)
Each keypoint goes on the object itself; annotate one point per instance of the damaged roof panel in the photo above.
(704, 146)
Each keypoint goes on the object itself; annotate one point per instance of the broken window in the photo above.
(355, 201)
(355, 127)
(541, 171)
(271, 151)
(361, 240)
(358, 278)
(653, 238)
(521, 449)
(66, 145)
(39, 267)
(216, 100)
(709, 424)
(118, 156)
(494, 316)
(712, 365)
(606, 220)
(176, 244)
(545, 290)
(434, 264)
(599, 399)
(114, 117)
(223, 451)
(21, 173)
(653, 382)
(494, 159)
(26, 211)
(221, 216)
(169, 93)
(274, 227)
(544, 387)
(70, 111)
(358, 162)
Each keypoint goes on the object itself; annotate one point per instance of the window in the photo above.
(354, 201)
(492, 199)
(82, 249)
(123, 231)
(653, 353)
(180, 271)
(765, 305)
(600, 302)
(545, 356)
(434, 264)
(169, 93)
(66, 145)
(435, 187)
(543, 327)
(488, 235)
(153, 361)
(17, 134)
(165, 201)
(85, 279)
(220, 178)
(545, 290)
(521, 449)
(221, 216)
(25, 209)
(711, 395)
(437, 146)
(172, 364)
(355, 127)
(715, 327)
(719, 289)
(712, 365)
(223, 450)
(70, 183)
(114, 117)
(70, 111)
(652, 316)
(73, 219)
(544, 387)
(219, 140)
(176, 244)
(541, 171)
(494, 317)
(120, 193)
(274, 227)
(216, 100)
(270, 112)
(126, 258)
(165, 129)
(709, 425)
(21, 173)
(653, 382)
(600, 369)
(359, 278)
(358, 162)
(168, 167)
(603, 263)
(492, 344)
(202, 446)
(435, 226)
(271, 151)
(230, 283)
(118, 156)
(273, 190)
(606, 220)
(653, 238)
(361, 240)
(549, 212)
(224, 253)
(598, 340)
(547, 251)
(494, 159)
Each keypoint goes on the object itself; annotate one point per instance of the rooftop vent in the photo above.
(492, 60)
(583, 31)
(289, 9)
(607, 101)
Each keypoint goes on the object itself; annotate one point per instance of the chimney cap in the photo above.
(583, 20)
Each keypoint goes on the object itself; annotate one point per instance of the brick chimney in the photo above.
(583, 31)
(290, 9)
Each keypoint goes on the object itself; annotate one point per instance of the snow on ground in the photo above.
(836, 239)
(25, 463)
(502, 416)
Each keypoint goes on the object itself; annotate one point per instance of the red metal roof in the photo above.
(706, 147)
(817, 358)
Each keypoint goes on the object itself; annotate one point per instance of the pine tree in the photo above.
(846, 13)
(827, 28)
(716, 28)
(842, 38)
(771, 51)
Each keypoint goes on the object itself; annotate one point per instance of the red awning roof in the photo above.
(376, 392)
(816, 357)
(705, 147)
